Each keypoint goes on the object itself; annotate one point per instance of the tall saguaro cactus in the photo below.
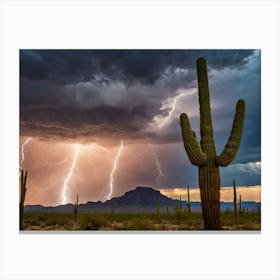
(23, 178)
(204, 154)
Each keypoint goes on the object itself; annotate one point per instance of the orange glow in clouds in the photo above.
(58, 171)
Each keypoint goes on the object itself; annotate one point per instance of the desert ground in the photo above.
(176, 221)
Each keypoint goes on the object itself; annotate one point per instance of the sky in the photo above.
(102, 122)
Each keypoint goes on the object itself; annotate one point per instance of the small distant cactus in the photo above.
(189, 201)
(204, 154)
(76, 207)
(23, 178)
(235, 204)
(180, 205)
(240, 205)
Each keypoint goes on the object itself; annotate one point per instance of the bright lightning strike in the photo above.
(171, 111)
(159, 169)
(70, 174)
(111, 185)
(22, 151)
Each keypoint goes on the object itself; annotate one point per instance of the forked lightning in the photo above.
(64, 197)
(22, 152)
(159, 169)
(171, 111)
(111, 185)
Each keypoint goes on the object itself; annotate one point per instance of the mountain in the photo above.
(141, 199)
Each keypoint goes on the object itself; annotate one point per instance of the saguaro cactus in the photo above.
(240, 205)
(180, 205)
(23, 178)
(189, 201)
(204, 155)
(235, 203)
(76, 206)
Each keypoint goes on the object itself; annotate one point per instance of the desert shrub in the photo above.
(93, 222)
(136, 221)
(138, 224)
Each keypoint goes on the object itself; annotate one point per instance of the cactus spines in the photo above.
(204, 155)
(23, 178)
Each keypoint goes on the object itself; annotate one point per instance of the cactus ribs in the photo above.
(204, 154)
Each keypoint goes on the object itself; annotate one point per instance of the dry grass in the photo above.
(128, 221)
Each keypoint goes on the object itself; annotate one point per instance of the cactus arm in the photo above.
(231, 148)
(23, 195)
(194, 152)
(23, 186)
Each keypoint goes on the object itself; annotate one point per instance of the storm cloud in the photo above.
(109, 92)
(139, 66)
(136, 96)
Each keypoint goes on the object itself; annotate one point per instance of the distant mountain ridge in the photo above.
(141, 199)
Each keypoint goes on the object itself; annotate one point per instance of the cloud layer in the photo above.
(110, 93)
(106, 96)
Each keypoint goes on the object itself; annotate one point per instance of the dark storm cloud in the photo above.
(235, 85)
(95, 124)
(74, 93)
(144, 66)
(104, 97)
(61, 66)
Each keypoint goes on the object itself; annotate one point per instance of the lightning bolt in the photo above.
(70, 174)
(157, 162)
(171, 111)
(22, 152)
(111, 185)
(71, 161)
(159, 169)
(174, 105)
